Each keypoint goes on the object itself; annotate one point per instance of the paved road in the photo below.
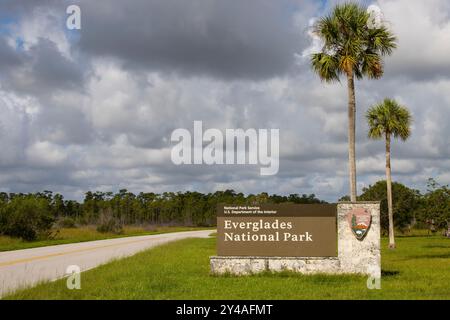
(24, 268)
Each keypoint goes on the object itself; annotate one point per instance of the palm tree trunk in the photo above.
(351, 135)
(389, 191)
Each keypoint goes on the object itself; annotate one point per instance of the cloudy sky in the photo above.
(93, 109)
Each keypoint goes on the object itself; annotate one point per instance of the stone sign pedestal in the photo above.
(358, 250)
(359, 256)
(250, 265)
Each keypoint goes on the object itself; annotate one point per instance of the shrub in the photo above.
(27, 217)
(67, 222)
(108, 223)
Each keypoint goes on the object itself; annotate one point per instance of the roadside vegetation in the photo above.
(418, 269)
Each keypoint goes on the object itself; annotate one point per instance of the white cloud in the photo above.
(112, 131)
(14, 122)
(43, 22)
(423, 31)
(45, 154)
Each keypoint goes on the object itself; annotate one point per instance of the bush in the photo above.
(67, 222)
(26, 217)
(108, 223)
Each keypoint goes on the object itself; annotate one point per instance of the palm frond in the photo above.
(350, 46)
(326, 66)
(372, 65)
(389, 118)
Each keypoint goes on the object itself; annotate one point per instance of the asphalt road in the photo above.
(25, 268)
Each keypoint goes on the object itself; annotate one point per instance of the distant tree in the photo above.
(344, 199)
(405, 205)
(58, 205)
(388, 119)
(436, 206)
(73, 208)
(353, 47)
(4, 197)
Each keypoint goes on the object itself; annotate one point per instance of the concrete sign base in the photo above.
(358, 226)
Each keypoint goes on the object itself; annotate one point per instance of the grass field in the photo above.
(418, 269)
(81, 234)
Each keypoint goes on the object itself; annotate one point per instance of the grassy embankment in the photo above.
(81, 234)
(418, 269)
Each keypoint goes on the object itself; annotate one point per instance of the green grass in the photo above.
(418, 269)
(81, 234)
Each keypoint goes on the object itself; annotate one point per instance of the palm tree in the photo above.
(386, 119)
(353, 47)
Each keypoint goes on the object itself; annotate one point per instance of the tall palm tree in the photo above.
(386, 119)
(354, 47)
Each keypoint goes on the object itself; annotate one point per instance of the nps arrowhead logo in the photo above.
(359, 220)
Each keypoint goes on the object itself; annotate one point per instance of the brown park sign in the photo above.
(282, 230)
